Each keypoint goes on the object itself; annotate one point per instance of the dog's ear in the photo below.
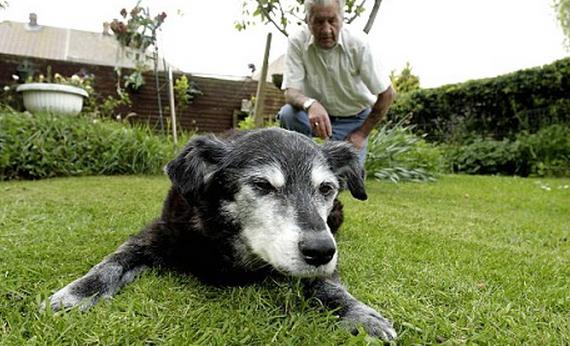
(343, 160)
(191, 171)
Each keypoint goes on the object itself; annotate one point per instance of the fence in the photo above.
(211, 112)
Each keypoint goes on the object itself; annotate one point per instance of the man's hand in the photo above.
(379, 110)
(357, 139)
(318, 116)
(320, 121)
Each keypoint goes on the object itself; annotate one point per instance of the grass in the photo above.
(477, 260)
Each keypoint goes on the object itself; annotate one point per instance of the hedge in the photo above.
(497, 108)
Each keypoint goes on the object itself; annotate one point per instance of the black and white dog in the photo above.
(240, 209)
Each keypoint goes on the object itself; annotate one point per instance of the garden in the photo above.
(464, 239)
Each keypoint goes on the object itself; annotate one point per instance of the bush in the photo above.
(548, 150)
(395, 153)
(497, 108)
(486, 156)
(248, 123)
(44, 145)
(545, 153)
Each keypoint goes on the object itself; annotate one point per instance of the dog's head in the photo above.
(277, 187)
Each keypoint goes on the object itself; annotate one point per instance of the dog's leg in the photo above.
(353, 312)
(103, 280)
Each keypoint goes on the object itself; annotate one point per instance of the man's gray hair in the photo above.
(309, 4)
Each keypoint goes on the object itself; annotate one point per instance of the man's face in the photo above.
(325, 24)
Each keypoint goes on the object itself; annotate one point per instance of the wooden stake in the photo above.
(172, 110)
(260, 95)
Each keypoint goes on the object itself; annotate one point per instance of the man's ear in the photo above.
(191, 171)
(343, 160)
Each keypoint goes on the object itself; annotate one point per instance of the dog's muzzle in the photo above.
(317, 248)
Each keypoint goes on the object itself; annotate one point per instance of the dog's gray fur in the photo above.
(256, 204)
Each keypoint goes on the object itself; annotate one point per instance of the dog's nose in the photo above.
(317, 251)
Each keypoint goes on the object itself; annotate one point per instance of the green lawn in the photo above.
(482, 260)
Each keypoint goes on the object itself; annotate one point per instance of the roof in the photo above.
(65, 44)
(275, 67)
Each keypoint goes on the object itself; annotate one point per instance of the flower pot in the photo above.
(54, 98)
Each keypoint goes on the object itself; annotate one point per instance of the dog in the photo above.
(241, 208)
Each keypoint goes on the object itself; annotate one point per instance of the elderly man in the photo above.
(333, 86)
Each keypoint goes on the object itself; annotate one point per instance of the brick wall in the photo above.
(211, 112)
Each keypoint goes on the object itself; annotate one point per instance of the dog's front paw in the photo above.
(65, 299)
(361, 315)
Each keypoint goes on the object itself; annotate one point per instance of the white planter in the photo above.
(54, 98)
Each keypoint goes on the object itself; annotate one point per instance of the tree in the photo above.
(3, 4)
(405, 81)
(282, 13)
(562, 8)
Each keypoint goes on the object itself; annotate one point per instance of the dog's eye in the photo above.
(263, 186)
(326, 189)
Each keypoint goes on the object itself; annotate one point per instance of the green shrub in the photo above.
(395, 153)
(497, 108)
(248, 123)
(545, 153)
(45, 145)
(486, 156)
(548, 150)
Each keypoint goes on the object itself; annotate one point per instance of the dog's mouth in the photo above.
(294, 264)
(298, 267)
(284, 246)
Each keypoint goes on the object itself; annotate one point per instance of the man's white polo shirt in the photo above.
(344, 79)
